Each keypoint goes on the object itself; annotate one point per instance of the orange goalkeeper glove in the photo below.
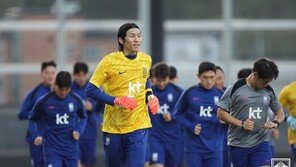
(153, 104)
(126, 102)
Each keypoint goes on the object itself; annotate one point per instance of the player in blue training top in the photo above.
(219, 83)
(196, 109)
(88, 139)
(245, 105)
(173, 75)
(165, 136)
(48, 72)
(64, 117)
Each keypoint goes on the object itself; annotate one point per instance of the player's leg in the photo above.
(36, 155)
(52, 160)
(70, 160)
(87, 152)
(194, 159)
(261, 155)
(147, 159)
(175, 154)
(113, 149)
(213, 159)
(135, 148)
(157, 155)
(239, 156)
(226, 158)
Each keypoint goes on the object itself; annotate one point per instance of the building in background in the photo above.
(231, 33)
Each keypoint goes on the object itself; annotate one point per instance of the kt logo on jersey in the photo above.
(255, 113)
(62, 119)
(205, 112)
(134, 88)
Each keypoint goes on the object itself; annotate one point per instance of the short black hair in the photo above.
(151, 72)
(244, 73)
(266, 68)
(173, 72)
(63, 79)
(122, 32)
(80, 67)
(206, 66)
(219, 68)
(46, 64)
(161, 70)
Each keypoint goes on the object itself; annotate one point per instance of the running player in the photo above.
(219, 83)
(244, 106)
(220, 79)
(287, 98)
(48, 72)
(64, 117)
(88, 140)
(197, 111)
(165, 136)
(123, 76)
(173, 75)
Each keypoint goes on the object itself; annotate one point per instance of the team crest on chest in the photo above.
(170, 97)
(265, 99)
(145, 72)
(71, 107)
(216, 100)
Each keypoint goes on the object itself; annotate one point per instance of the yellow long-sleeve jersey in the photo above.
(121, 76)
(287, 99)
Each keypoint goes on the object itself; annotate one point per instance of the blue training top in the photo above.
(94, 117)
(161, 130)
(28, 104)
(61, 117)
(198, 105)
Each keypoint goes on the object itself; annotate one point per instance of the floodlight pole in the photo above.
(144, 17)
(227, 37)
(61, 42)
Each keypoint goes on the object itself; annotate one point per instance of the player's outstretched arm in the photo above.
(97, 94)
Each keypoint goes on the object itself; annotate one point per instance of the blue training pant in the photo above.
(87, 151)
(36, 155)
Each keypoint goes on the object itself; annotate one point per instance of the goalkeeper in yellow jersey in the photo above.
(123, 76)
(287, 99)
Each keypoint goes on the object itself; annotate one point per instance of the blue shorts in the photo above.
(272, 150)
(56, 160)
(87, 151)
(168, 154)
(195, 159)
(125, 149)
(259, 155)
(36, 155)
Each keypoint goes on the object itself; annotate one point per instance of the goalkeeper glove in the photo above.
(153, 104)
(126, 102)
